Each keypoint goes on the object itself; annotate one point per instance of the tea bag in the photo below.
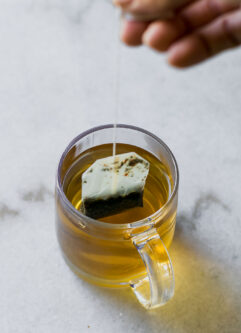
(114, 184)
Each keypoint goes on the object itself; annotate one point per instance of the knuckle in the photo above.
(214, 7)
(232, 37)
(207, 47)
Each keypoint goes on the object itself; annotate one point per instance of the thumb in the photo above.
(149, 9)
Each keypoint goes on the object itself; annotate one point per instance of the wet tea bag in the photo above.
(114, 184)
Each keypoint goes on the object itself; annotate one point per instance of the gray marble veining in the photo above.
(203, 203)
(5, 211)
(37, 195)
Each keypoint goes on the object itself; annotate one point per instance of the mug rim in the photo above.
(144, 222)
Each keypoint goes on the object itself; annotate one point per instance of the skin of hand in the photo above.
(145, 9)
(190, 31)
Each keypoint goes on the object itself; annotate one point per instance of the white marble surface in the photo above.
(56, 62)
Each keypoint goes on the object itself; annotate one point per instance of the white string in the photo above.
(117, 82)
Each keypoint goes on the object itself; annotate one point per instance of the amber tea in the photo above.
(157, 188)
(102, 260)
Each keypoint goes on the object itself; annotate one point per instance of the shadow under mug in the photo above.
(120, 255)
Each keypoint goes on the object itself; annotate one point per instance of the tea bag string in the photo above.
(117, 72)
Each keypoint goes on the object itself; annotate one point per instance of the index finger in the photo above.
(132, 31)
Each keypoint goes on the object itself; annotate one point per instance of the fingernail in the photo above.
(128, 17)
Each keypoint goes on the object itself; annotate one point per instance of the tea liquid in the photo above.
(156, 192)
(109, 257)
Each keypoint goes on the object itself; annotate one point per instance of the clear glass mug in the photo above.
(120, 255)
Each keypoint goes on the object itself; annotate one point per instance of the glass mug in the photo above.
(120, 255)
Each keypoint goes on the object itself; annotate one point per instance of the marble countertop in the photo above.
(57, 65)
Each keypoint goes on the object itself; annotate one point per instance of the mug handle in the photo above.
(157, 287)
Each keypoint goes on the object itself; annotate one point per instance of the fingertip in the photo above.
(186, 53)
(177, 57)
(157, 37)
(161, 34)
(131, 32)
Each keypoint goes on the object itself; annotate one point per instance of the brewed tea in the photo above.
(157, 188)
(109, 257)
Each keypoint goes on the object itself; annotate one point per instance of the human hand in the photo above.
(197, 31)
(146, 10)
